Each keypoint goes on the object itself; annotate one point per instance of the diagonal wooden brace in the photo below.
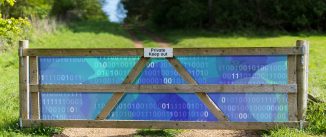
(117, 96)
(202, 95)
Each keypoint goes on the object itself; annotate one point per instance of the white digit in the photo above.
(151, 65)
(167, 80)
(223, 100)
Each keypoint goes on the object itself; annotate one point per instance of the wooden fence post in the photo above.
(302, 79)
(292, 79)
(34, 80)
(23, 82)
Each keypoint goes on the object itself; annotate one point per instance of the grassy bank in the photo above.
(87, 34)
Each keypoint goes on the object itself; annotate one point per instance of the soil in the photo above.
(115, 132)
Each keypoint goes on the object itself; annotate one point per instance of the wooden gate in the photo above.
(296, 89)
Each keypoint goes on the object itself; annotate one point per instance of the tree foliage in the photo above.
(292, 15)
(82, 9)
(26, 8)
(10, 2)
(12, 29)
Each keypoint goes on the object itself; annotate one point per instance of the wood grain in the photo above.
(200, 94)
(173, 88)
(292, 79)
(35, 95)
(161, 124)
(117, 96)
(302, 78)
(23, 81)
(176, 51)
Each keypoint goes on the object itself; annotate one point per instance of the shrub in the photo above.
(77, 9)
(316, 115)
(11, 30)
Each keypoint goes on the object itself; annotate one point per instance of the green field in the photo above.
(102, 34)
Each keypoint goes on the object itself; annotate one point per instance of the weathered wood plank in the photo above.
(176, 51)
(136, 70)
(23, 81)
(217, 112)
(116, 97)
(292, 79)
(35, 96)
(173, 88)
(182, 71)
(292, 69)
(161, 124)
(302, 78)
(292, 107)
(201, 95)
(110, 105)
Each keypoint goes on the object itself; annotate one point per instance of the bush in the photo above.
(12, 30)
(77, 9)
(27, 8)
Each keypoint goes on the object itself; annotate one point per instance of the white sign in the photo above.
(158, 52)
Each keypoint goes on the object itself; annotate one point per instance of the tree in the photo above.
(12, 29)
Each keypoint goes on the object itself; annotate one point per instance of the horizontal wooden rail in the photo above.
(176, 51)
(180, 88)
(160, 124)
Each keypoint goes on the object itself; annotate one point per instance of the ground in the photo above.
(103, 34)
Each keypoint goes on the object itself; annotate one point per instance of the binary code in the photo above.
(240, 107)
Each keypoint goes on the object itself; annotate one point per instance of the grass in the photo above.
(87, 34)
(157, 133)
(316, 111)
(316, 114)
(100, 34)
(9, 100)
(317, 41)
(286, 132)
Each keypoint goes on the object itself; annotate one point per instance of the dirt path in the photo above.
(162, 43)
(116, 132)
(97, 132)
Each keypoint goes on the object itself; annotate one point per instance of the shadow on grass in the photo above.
(97, 26)
(158, 132)
(174, 36)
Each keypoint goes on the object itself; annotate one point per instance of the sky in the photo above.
(115, 10)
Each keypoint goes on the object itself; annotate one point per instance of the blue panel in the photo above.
(244, 107)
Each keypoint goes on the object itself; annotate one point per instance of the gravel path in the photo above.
(115, 132)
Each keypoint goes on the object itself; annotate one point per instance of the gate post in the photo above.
(302, 77)
(23, 82)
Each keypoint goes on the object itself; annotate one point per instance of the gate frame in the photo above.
(297, 87)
